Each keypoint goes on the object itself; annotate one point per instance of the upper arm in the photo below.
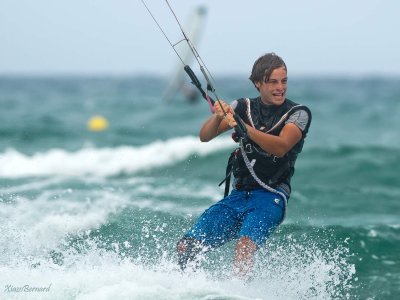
(291, 135)
(292, 132)
(300, 118)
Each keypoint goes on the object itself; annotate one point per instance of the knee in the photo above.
(187, 243)
(245, 246)
(183, 244)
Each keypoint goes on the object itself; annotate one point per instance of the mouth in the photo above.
(280, 94)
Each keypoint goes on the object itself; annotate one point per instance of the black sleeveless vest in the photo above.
(270, 169)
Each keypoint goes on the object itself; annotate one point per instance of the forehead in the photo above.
(278, 73)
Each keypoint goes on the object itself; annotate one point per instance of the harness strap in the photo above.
(228, 174)
(282, 119)
(248, 112)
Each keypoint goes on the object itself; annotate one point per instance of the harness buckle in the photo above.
(248, 148)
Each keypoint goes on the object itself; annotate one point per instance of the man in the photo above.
(262, 166)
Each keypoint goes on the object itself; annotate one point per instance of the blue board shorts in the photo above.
(254, 214)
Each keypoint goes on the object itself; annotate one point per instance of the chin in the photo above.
(279, 101)
(274, 100)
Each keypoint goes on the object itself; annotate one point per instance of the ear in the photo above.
(257, 84)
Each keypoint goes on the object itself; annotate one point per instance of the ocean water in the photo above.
(96, 215)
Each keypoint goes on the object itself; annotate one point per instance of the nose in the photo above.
(281, 85)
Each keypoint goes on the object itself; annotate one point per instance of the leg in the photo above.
(244, 256)
(188, 248)
(215, 227)
(262, 218)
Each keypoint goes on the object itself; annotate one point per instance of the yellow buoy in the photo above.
(97, 123)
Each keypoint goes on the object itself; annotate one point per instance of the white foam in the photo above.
(37, 226)
(106, 161)
(97, 274)
(31, 186)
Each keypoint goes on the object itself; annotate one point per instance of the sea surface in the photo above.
(97, 215)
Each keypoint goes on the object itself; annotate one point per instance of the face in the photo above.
(273, 91)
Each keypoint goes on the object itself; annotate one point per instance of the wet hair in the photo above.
(264, 65)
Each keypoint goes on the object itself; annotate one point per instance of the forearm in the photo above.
(219, 122)
(212, 127)
(275, 145)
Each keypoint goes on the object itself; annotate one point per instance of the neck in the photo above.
(269, 105)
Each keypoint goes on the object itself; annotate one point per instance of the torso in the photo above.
(273, 171)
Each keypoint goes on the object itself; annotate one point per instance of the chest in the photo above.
(267, 119)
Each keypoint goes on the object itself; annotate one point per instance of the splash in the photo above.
(307, 267)
(91, 272)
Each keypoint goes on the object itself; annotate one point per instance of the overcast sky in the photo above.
(316, 37)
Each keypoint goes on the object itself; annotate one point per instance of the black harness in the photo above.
(270, 169)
